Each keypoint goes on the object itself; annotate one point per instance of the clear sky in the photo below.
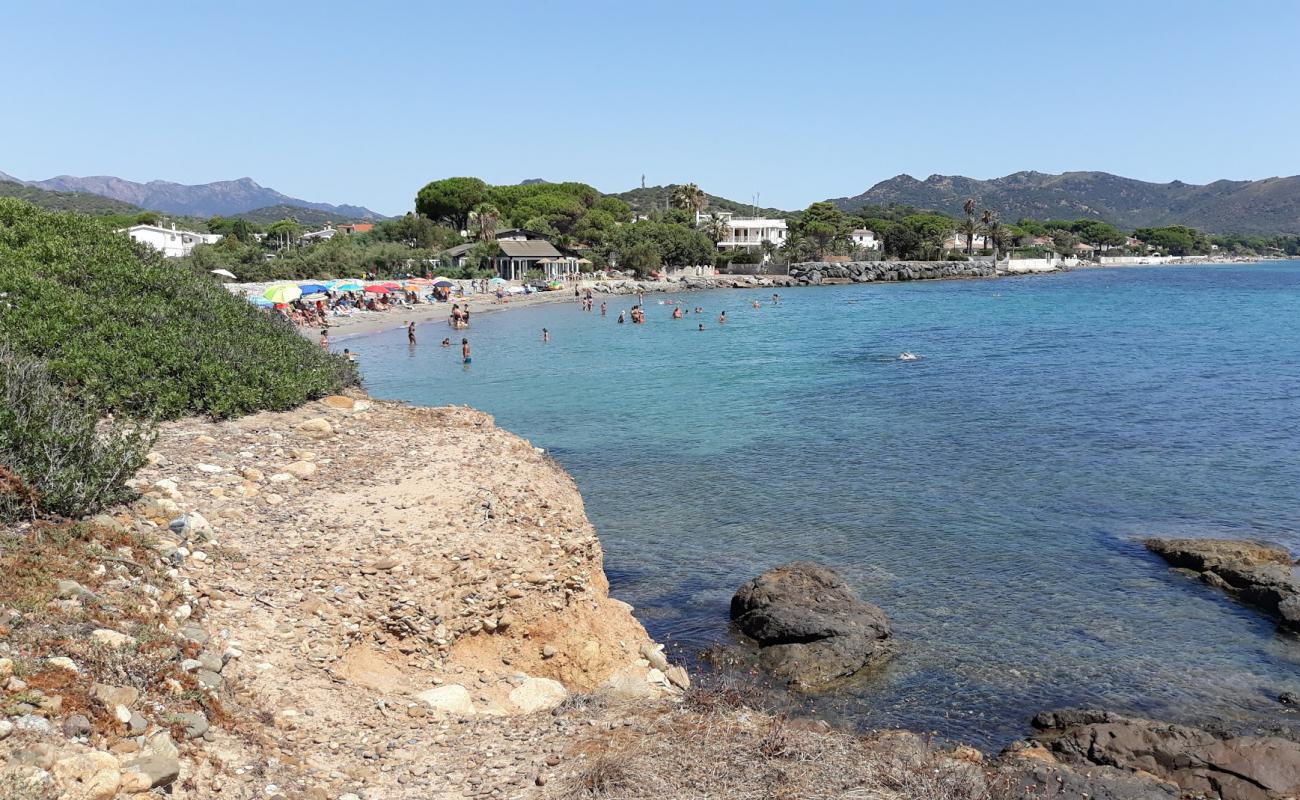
(365, 102)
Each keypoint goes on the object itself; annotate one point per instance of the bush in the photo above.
(57, 456)
(127, 331)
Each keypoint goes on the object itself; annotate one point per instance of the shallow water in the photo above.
(986, 496)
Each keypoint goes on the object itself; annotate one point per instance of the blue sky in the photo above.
(365, 102)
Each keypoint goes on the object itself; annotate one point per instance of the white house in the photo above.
(169, 241)
(864, 238)
(324, 234)
(748, 232)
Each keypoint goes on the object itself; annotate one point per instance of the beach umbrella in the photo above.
(261, 302)
(282, 293)
(392, 286)
(438, 278)
(497, 281)
(379, 288)
(225, 273)
(345, 285)
(313, 288)
(444, 283)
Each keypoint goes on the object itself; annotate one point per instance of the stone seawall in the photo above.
(818, 272)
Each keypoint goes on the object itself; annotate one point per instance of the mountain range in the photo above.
(1268, 206)
(221, 198)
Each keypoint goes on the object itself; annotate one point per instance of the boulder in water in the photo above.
(811, 628)
(1256, 573)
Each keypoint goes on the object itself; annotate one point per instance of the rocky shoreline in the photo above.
(298, 607)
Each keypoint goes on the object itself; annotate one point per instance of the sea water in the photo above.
(990, 496)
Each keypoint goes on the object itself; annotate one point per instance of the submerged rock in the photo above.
(1196, 760)
(811, 628)
(1257, 573)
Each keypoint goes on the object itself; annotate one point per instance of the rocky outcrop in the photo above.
(629, 286)
(1195, 760)
(818, 272)
(1257, 573)
(811, 628)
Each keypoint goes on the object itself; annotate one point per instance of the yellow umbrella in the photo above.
(282, 293)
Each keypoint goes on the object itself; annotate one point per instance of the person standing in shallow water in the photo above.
(620, 318)
(324, 339)
(722, 318)
(546, 336)
(410, 333)
(464, 349)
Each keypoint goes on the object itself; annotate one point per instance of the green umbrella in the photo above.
(282, 293)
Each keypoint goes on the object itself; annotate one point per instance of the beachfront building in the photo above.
(864, 238)
(170, 242)
(957, 241)
(322, 235)
(748, 232)
(520, 252)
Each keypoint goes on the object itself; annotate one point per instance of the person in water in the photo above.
(620, 318)
(446, 342)
(464, 349)
(324, 339)
(776, 298)
(677, 312)
(349, 355)
(722, 318)
(410, 333)
(602, 308)
(546, 335)
(701, 326)
(755, 304)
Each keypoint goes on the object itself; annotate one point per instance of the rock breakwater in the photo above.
(820, 272)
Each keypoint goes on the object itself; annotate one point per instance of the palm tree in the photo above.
(715, 227)
(768, 247)
(690, 197)
(969, 227)
(992, 231)
(486, 217)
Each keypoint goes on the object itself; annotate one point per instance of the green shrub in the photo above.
(56, 455)
(133, 333)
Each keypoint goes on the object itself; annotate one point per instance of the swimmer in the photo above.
(464, 349)
(701, 326)
(755, 304)
(677, 313)
(620, 318)
(546, 336)
(349, 355)
(776, 298)
(722, 318)
(602, 308)
(446, 342)
(907, 355)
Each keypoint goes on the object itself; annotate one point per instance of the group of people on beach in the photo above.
(459, 316)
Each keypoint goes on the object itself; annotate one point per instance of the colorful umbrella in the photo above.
(345, 285)
(313, 288)
(282, 293)
(444, 283)
(392, 287)
(379, 288)
(261, 302)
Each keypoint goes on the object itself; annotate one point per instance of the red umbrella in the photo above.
(378, 288)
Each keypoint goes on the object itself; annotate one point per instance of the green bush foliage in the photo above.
(136, 334)
(56, 455)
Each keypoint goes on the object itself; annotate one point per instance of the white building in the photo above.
(748, 232)
(169, 241)
(322, 235)
(864, 238)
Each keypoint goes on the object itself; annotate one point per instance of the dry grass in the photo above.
(713, 748)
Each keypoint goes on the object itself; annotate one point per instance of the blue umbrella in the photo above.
(313, 288)
(261, 302)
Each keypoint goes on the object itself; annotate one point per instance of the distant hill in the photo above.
(652, 198)
(81, 202)
(222, 198)
(305, 216)
(1269, 206)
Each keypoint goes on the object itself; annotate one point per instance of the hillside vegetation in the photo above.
(659, 198)
(81, 202)
(1269, 206)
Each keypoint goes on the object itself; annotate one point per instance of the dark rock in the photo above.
(1289, 699)
(1256, 573)
(76, 725)
(1198, 761)
(811, 628)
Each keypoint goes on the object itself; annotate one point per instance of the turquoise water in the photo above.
(987, 496)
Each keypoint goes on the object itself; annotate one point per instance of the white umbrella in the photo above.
(225, 273)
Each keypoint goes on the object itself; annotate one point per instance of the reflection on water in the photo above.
(988, 496)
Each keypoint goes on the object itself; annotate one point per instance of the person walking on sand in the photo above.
(464, 349)
(324, 339)
(410, 332)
